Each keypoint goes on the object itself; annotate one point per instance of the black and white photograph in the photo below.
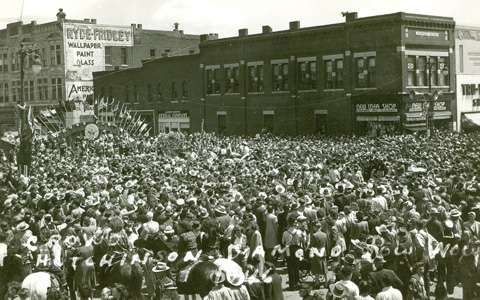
(239, 150)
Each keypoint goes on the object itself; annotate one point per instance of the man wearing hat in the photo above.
(472, 225)
(382, 275)
(434, 225)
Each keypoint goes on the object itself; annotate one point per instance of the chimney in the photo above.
(350, 16)
(213, 36)
(61, 15)
(175, 26)
(94, 21)
(33, 23)
(243, 32)
(266, 29)
(294, 25)
(133, 25)
(139, 26)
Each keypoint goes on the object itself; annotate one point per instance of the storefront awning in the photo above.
(367, 118)
(442, 115)
(471, 119)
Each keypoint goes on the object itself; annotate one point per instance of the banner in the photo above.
(84, 49)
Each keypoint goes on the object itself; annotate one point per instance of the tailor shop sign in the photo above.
(376, 108)
(416, 107)
(425, 34)
(84, 49)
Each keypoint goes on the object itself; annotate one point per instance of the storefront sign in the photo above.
(84, 49)
(467, 34)
(173, 115)
(440, 106)
(376, 108)
(415, 107)
(422, 34)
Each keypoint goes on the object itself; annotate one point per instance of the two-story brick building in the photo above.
(46, 89)
(352, 77)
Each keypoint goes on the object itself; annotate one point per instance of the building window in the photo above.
(443, 74)
(173, 90)
(279, 77)
(222, 123)
(2, 92)
(152, 53)
(108, 55)
(334, 74)
(58, 54)
(42, 86)
(366, 72)
(268, 122)
(14, 62)
(123, 56)
(255, 78)
(3, 62)
(213, 82)
(433, 74)
(307, 75)
(159, 92)
(15, 90)
(184, 89)
(411, 70)
(57, 89)
(232, 84)
(422, 71)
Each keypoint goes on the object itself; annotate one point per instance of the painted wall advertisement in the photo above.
(84, 46)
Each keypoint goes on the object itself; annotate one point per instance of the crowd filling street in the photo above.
(218, 217)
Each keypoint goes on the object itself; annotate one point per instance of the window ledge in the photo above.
(333, 90)
(365, 89)
(256, 93)
(280, 92)
(232, 94)
(307, 91)
(213, 94)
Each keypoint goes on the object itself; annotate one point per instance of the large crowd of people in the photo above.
(392, 217)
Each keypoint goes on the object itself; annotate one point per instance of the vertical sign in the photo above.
(84, 47)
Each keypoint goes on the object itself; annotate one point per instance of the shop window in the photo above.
(255, 78)
(411, 70)
(443, 75)
(232, 84)
(307, 75)
(279, 77)
(421, 71)
(108, 55)
(222, 124)
(213, 82)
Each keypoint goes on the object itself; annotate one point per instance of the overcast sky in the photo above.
(226, 16)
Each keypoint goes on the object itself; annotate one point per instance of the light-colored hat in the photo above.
(338, 290)
(22, 226)
(169, 229)
(336, 251)
(160, 267)
(172, 256)
(455, 213)
(280, 189)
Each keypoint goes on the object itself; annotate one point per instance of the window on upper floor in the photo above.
(159, 91)
(3, 62)
(232, 75)
(213, 80)
(307, 74)
(57, 89)
(173, 90)
(14, 65)
(366, 72)
(123, 56)
(108, 55)
(255, 78)
(58, 55)
(280, 76)
(427, 70)
(42, 87)
(184, 89)
(334, 73)
(411, 70)
(443, 73)
(2, 92)
(152, 53)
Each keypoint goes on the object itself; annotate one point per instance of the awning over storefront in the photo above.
(471, 119)
(442, 115)
(378, 118)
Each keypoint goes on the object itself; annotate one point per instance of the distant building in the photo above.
(371, 75)
(468, 77)
(52, 85)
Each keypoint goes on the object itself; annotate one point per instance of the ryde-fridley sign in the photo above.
(376, 108)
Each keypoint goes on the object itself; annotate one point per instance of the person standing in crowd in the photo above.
(271, 232)
(292, 241)
(417, 288)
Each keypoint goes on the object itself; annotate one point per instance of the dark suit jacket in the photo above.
(273, 290)
(383, 278)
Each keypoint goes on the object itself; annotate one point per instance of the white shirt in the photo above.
(389, 293)
(3, 253)
(351, 288)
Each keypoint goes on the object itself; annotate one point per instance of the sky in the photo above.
(225, 17)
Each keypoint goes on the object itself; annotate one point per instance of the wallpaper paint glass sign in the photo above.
(84, 46)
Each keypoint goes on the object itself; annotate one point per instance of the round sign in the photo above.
(91, 131)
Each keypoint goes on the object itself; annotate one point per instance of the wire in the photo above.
(21, 11)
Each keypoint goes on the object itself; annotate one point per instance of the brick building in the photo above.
(370, 75)
(44, 90)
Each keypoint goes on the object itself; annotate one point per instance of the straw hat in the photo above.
(160, 267)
